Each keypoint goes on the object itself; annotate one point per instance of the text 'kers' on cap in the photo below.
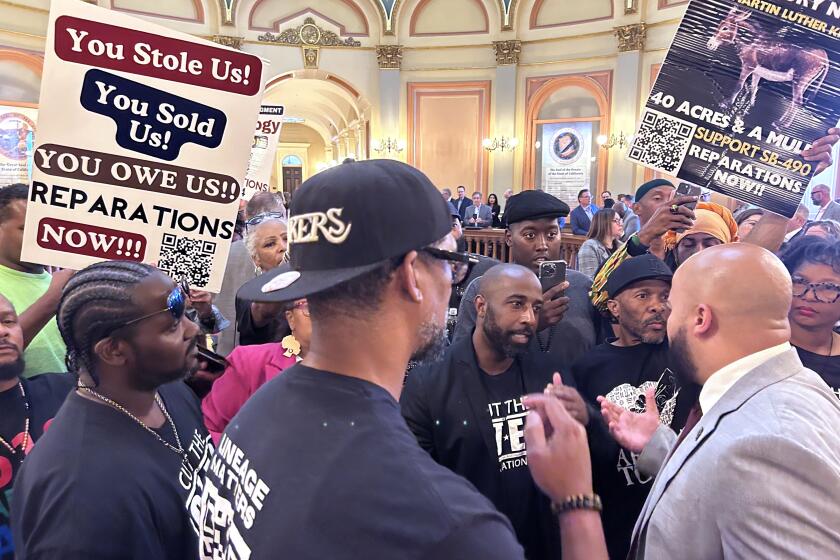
(348, 220)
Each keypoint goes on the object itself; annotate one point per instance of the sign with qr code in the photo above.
(142, 147)
(263, 150)
(746, 86)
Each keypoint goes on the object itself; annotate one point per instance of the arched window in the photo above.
(291, 160)
(565, 116)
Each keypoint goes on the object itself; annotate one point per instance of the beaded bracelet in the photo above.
(590, 501)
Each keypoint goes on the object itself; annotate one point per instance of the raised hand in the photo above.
(631, 430)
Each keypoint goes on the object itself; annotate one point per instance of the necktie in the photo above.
(694, 416)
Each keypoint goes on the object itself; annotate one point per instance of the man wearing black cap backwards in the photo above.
(629, 371)
(567, 322)
(319, 463)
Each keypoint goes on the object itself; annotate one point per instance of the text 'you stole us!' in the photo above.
(143, 145)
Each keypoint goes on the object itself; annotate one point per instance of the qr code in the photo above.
(187, 259)
(662, 141)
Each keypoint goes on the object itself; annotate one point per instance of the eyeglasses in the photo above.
(824, 292)
(461, 263)
(176, 304)
(260, 218)
(303, 305)
(618, 221)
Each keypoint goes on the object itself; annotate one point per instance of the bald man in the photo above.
(466, 411)
(756, 471)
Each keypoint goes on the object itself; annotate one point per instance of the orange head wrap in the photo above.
(713, 219)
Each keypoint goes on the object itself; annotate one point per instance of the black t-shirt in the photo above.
(623, 374)
(828, 367)
(507, 413)
(318, 465)
(98, 486)
(45, 393)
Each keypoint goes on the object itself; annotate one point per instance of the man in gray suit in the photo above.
(758, 459)
(756, 471)
(478, 214)
(828, 209)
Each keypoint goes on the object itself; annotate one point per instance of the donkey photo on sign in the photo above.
(766, 56)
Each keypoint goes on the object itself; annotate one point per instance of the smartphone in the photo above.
(552, 273)
(687, 189)
(215, 362)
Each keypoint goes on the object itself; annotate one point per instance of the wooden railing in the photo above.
(491, 243)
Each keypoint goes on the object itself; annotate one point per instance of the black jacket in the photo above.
(446, 407)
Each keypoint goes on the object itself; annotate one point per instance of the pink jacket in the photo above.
(249, 367)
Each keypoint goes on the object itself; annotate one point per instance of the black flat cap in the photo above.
(534, 205)
(636, 269)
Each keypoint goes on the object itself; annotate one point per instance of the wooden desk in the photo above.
(491, 243)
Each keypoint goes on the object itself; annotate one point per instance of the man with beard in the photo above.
(567, 323)
(467, 412)
(757, 459)
(114, 475)
(628, 371)
(26, 408)
(319, 463)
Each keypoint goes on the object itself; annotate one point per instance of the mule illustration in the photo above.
(764, 56)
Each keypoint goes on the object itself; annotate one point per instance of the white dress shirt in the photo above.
(723, 379)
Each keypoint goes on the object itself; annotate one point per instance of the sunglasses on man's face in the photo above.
(461, 263)
(176, 304)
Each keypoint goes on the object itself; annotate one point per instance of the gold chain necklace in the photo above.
(179, 450)
(25, 428)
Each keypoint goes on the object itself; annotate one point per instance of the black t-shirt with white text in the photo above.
(318, 465)
(99, 486)
(623, 374)
(45, 393)
(519, 497)
(828, 367)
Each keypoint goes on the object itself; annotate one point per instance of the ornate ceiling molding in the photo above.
(308, 35)
(508, 9)
(387, 10)
(228, 10)
(631, 37)
(389, 57)
(228, 41)
(507, 52)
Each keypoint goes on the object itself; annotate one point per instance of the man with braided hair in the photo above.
(111, 477)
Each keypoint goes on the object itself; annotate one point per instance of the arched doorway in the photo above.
(292, 166)
(564, 118)
(325, 121)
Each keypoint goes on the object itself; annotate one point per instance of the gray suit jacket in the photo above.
(757, 477)
(832, 212)
(239, 269)
(485, 215)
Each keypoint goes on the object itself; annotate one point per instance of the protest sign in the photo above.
(17, 130)
(566, 159)
(263, 149)
(143, 141)
(745, 87)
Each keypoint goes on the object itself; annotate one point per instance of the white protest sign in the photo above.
(143, 137)
(263, 150)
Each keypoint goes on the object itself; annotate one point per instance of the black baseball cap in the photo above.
(534, 205)
(636, 269)
(342, 226)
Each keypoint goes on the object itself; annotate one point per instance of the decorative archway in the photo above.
(597, 86)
